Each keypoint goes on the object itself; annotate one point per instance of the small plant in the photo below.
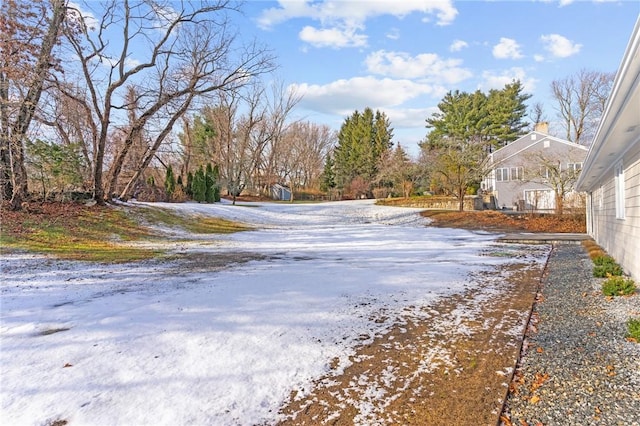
(633, 329)
(605, 266)
(618, 286)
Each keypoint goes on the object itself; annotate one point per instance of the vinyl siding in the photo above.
(620, 237)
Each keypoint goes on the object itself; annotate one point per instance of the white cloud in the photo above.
(559, 46)
(344, 96)
(393, 34)
(538, 58)
(458, 45)
(340, 20)
(75, 12)
(497, 80)
(332, 37)
(427, 66)
(410, 117)
(330, 11)
(566, 2)
(507, 49)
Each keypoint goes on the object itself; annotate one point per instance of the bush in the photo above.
(605, 266)
(618, 286)
(633, 328)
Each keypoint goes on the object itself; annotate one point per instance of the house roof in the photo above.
(528, 141)
(619, 127)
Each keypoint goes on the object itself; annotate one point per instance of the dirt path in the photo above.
(428, 371)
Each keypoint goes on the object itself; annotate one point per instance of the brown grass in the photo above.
(466, 388)
(491, 220)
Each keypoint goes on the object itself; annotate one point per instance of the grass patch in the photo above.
(74, 232)
(98, 234)
(618, 286)
(196, 223)
(633, 329)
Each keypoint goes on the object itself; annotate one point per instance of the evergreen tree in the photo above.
(56, 167)
(362, 140)
(506, 111)
(494, 119)
(211, 184)
(216, 186)
(188, 189)
(169, 182)
(199, 185)
(328, 177)
(466, 128)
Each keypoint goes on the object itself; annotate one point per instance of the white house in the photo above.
(611, 172)
(535, 172)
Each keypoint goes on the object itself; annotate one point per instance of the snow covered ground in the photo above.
(164, 342)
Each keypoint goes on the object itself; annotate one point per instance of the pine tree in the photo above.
(210, 183)
(466, 128)
(328, 177)
(169, 182)
(188, 189)
(362, 141)
(216, 186)
(199, 185)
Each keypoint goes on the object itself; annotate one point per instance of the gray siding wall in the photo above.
(619, 237)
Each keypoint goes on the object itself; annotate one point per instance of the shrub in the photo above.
(593, 249)
(618, 286)
(605, 266)
(633, 329)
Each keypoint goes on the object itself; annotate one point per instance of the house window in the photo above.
(576, 167)
(516, 173)
(619, 191)
(545, 173)
(502, 174)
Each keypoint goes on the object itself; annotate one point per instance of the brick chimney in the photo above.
(542, 127)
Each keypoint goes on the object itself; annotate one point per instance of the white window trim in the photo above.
(502, 174)
(619, 185)
(519, 173)
(576, 167)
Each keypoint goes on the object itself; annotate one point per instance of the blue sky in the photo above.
(402, 56)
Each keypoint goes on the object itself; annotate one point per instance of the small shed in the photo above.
(280, 192)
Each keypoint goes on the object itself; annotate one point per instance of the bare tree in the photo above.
(458, 165)
(71, 122)
(242, 134)
(301, 154)
(537, 113)
(280, 104)
(173, 55)
(399, 171)
(28, 35)
(558, 173)
(580, 102)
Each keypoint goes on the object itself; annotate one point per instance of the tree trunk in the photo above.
(28, 106)
(98, 190)
(559, 204)
(6, 189)
(118, 163)
(18, 175)
(126, 192)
